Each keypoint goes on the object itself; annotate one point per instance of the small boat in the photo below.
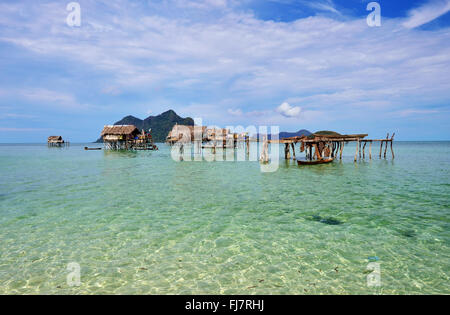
(315, 162)
(91, 149)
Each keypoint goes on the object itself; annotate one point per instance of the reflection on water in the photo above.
(119, 154)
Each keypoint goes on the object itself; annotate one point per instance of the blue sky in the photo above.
(296, 64)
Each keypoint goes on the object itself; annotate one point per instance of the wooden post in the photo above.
(360, 144)
(287, 154)
(385, 147)
(293, 150)
(357, 150)
(181, 152)
(318, 153)
(364, 150)
(370, 150)
(342, 149)
(381, 147)
(247, 143)
(392, 144)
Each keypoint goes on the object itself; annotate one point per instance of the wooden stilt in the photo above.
(357, 149)
(392, 146)
(265, 152)
(318, 153)
(370, 150)
(287, 154)
(181, 152)
(385, 147)
(364, 150)
(381, 148)
(293, 150)
(342, 149)
(247, 143)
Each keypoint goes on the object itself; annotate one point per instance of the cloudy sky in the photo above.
(293, 63)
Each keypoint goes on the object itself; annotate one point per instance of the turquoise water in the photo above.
(142, 223)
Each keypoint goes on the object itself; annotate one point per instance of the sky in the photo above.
(296, 64)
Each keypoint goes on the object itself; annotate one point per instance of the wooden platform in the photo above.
(325, 146)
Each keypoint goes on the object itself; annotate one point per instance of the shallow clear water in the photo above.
(142, 223)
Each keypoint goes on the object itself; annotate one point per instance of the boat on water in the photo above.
(91, 149)
(315, 162)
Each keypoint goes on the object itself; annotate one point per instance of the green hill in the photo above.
(327, 133)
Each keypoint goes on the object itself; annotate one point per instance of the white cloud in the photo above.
(342, 68)
(411, 112)
(326, 5)
(235, 112)
(4, 129)
(289, 111)
(427, 13)
(202, 4)
(45, 97)
(16, 116)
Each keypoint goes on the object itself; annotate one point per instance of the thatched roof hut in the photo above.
(207, 134)
(119, 132)
(179, 131)
(55, 139)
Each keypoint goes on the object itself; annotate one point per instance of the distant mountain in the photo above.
(327, 133)
(284, 134)
(160, 125)
(299, 133)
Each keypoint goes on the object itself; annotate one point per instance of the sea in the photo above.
(103, 222)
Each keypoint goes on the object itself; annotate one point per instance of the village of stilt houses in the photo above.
(318, 148)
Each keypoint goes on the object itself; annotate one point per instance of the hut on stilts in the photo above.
(203, 137)
(127, 137)
(56, 141)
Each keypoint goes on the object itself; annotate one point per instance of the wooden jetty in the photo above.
(127, 137)
(322, 146)
(57, 141)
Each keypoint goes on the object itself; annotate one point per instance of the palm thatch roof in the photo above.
(179, 130)
(54, 138)
(120, 130)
